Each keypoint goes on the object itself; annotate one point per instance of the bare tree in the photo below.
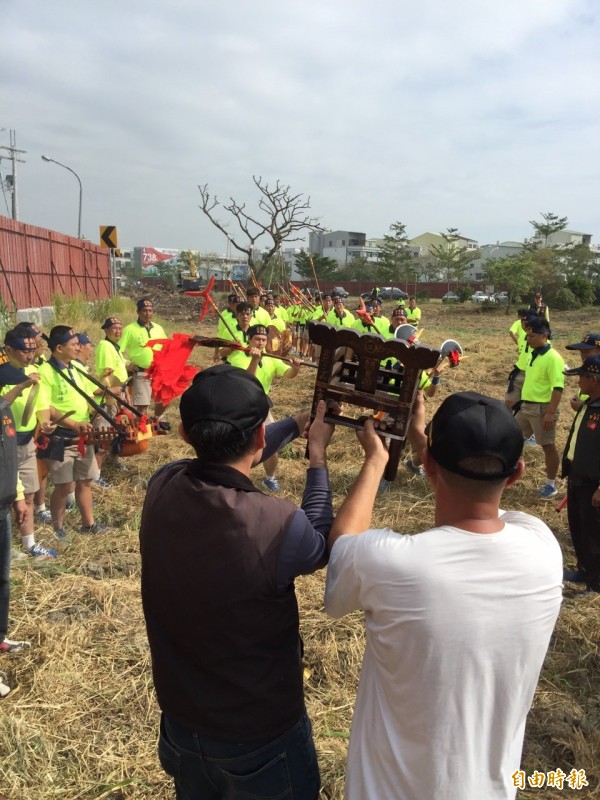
(282, 217)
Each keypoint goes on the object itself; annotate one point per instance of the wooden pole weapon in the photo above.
(215, 341)
(314, 275)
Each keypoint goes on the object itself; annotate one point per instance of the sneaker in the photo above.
(61, 534)
(383, 486)
(102, 483)
(573, 576)
(8, 646)
(95, 528)
(4, 689)
(272, 484)
(45, 517)
(42, 553)
(70, 502)
(547, 491)
(531, 442)
(416, 470)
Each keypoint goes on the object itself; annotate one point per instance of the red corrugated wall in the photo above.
(36, 264)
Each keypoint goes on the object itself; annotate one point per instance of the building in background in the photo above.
(491, 251)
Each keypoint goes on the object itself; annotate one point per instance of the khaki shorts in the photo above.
(74, 467)
(28, 471)
(109, 409)
(141, 390)
(531, 421)
(514, 396)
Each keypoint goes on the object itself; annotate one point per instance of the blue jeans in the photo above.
(204, 769)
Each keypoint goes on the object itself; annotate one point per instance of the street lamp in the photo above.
(72, 171)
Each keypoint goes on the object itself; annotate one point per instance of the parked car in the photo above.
(450, 297)
(501, 297)
(340, 291)
(392, 293)
(482, 297)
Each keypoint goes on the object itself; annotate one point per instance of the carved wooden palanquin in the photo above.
(362, 379)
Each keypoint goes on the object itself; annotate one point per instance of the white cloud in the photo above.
(471, 114)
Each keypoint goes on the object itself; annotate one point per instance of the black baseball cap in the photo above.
(9, 375)
(469, 424)
(589, 342)
(224, 394)
(591, 366)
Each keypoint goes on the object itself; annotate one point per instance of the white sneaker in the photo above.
(10, 646)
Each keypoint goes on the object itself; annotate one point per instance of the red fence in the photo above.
(36, 264)
(355, 288)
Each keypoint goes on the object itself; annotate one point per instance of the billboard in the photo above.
(151, 256)
(240, 272)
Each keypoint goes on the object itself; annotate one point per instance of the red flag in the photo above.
(169, 373)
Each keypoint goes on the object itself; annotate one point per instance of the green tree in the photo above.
(513, 274)
(451, 259)
(325, 268)
(396, 262)
(580, 261)
(548, 271)
(552, 223)
(358, 268)
(582, 289)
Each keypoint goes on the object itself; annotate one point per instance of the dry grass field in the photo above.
(82, 721)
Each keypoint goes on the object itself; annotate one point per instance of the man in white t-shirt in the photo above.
(458, 618)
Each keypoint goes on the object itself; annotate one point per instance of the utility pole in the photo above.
(12, 183)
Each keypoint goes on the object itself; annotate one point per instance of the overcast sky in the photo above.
(466, 114)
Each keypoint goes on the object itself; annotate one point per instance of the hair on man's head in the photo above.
(220, 442)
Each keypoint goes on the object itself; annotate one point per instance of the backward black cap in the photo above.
(224, 394)
(469, 424)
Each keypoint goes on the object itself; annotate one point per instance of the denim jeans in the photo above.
(5, 542)
(203, 769)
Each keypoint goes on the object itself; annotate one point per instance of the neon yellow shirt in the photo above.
(260, 316)
(268, 368)
(413, 315)
(378, 326)
(543, 374)
(110, 357)
(347, 320)
(64, 397)
(231, 319)
(134, 339)
(42, 402)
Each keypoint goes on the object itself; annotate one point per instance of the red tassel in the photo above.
(454, 358)
(169, 374)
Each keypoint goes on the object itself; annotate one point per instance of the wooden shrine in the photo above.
(355, 369)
